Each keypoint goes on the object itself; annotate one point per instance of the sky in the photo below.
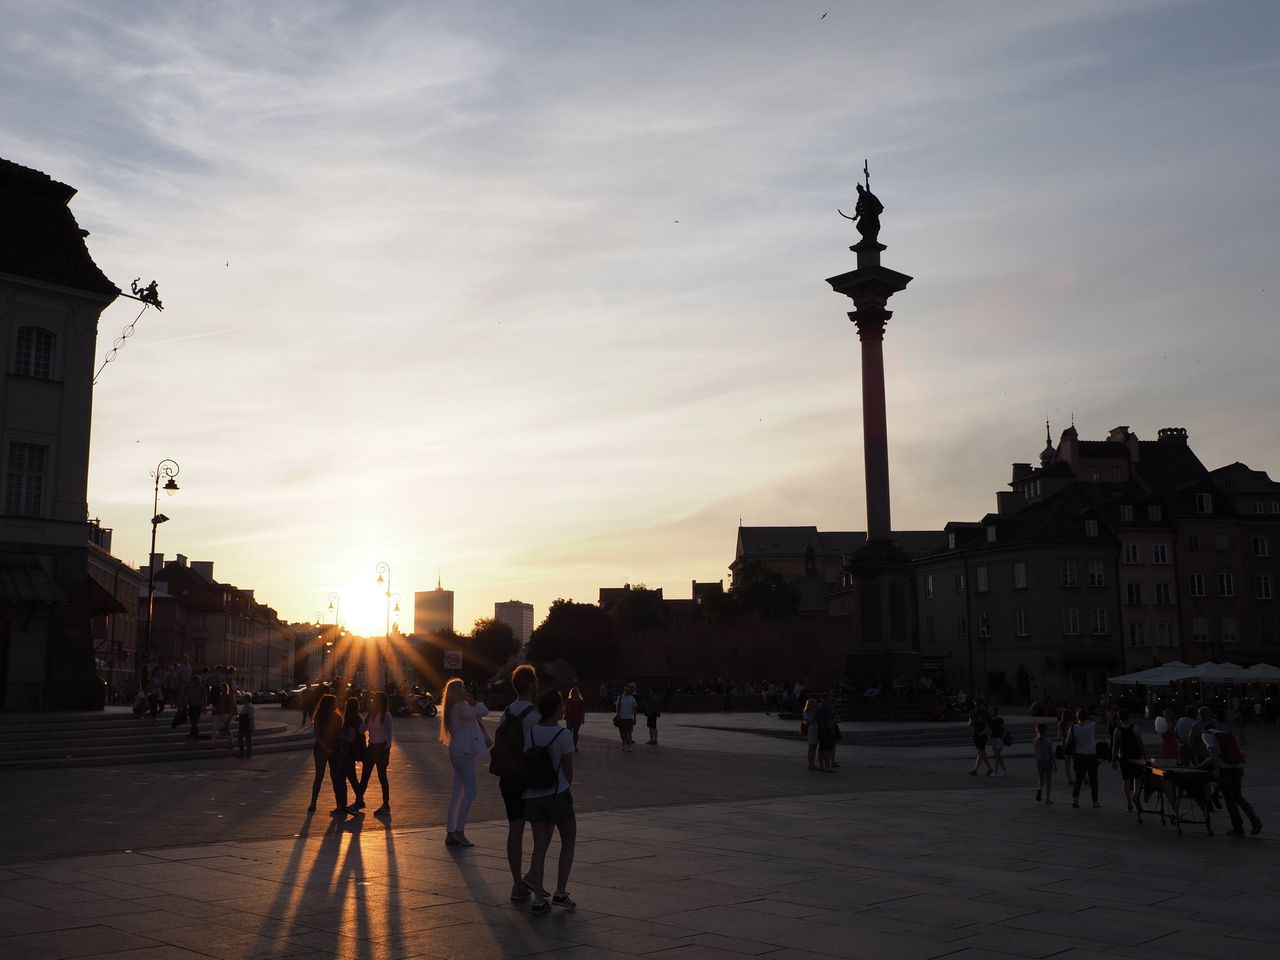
(531, 297)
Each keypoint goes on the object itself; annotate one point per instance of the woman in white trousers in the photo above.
(468, 743)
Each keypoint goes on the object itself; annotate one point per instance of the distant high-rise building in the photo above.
(432, 610)
(518, 616)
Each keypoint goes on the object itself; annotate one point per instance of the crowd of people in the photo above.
(1195, 739)
(190, 691)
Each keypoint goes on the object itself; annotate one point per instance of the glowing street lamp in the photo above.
(384, 578)
(167, 469)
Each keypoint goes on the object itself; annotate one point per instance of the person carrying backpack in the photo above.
(1227, 759)
(1128, 753)
(548, 802)
(506, 762)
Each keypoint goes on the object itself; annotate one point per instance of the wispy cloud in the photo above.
(428, 301)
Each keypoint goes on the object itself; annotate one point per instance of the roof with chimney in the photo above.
(39, 237)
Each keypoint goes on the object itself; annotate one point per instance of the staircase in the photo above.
(115, 736)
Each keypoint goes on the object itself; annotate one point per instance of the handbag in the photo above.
(617, 720)
(804, 728)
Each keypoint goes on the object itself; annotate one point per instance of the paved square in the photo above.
(899, 854)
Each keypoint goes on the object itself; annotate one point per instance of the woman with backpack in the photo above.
(1129, 754)
(461, 732)
(999, 739)
(1225, 756)
(548, 803)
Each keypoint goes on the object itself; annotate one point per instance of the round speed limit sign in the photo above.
(453, 659)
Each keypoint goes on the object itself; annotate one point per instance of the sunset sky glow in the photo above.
(531, 296)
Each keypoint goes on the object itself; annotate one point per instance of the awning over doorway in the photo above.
(102, 600)
(24, 580)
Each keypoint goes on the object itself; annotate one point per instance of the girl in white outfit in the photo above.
(461, 732)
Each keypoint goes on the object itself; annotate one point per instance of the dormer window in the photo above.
(1126, 514)
(1154, 513)
(1091, 528)
(1204, 503)
(991, 533)
(951, 541)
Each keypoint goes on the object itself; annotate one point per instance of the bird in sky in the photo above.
(823, 17)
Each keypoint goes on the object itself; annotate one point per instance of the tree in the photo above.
(580, 633)
(761, 590)
(638, 608)
(491, 645)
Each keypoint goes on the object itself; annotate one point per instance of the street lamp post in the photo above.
(384, 578)
(167, 469)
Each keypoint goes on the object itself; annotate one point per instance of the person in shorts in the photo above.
(625, 716)
(524, 680)
(550, 809)
(1129, 754)
(1046, 764)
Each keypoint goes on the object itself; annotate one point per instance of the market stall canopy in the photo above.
(1160, 676)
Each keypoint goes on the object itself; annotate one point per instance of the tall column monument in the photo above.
(880, 572)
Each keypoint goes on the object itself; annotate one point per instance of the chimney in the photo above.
(204, 568)
(1021, 471)
(1118, 434)
(1173, 435)
(182, 560)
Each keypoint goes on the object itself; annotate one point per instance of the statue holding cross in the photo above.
(866, 214)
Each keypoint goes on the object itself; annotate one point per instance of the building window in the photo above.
(1155, 513)
(1267, 630)
(962, 626)
(1097, 573)
(1163, 595)
(984, 625)
(1022, 622)
(1259, 507)
(1091, 528)
(1164, 635)
(928, 586)
(1137, 634)
(991, 533)
(1262, 586)
(928, 629)
(1071, 621)
(1132, 553)
(1067, 573)
(1133, 594)
(1195, 585)
(1204, 503)
(1126, 513)
(1160, 553)
(1226, 584)
(959, 583)
(951, 541)
(1199, 629)
(1098, 623)
(980, 580)
(1262, 546)
(1230, 632)
(33, 355)
(1116, 475)
(1222, 542)
(1193, 541)
(24, 482)
(1095, 475)
(1019, 575)
(1275, 506)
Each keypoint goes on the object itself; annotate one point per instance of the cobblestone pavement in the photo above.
(714, 845)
